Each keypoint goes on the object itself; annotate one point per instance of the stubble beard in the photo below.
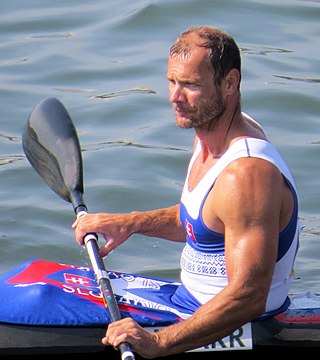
(205, 117)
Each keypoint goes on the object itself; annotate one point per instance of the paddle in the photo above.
(52, 147)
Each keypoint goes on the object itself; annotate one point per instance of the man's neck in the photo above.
(217, 141)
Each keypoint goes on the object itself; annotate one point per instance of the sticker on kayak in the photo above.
(55, 294)
(240, 339)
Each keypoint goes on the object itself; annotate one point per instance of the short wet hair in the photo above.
(224, 52)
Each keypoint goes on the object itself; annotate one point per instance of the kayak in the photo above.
(54, 308)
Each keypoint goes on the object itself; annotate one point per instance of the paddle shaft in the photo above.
(91, 244)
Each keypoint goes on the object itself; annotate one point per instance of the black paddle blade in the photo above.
(52, 147)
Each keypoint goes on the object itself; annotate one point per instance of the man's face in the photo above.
(195, 99)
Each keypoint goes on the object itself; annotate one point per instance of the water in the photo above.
(106, 61)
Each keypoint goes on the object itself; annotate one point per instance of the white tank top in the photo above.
(203, 271)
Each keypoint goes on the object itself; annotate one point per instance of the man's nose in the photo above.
(176, 93)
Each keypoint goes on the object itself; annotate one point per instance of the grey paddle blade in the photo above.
(52, 147)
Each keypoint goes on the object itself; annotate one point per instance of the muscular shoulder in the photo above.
(248, 184)
(244, 173)
(249, 169)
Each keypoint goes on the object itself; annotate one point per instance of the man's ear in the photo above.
(232, 80)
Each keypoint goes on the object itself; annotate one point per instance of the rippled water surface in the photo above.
(106, 61)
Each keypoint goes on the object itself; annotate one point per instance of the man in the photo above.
(238, 213)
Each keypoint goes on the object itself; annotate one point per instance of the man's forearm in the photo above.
(163, 223)
(213, 321)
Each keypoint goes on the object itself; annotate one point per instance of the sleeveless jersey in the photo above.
(203, 269)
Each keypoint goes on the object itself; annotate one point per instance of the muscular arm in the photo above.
(117, 228)
(251, 201)
(248, 202)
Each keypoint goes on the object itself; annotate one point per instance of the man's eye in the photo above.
(190, 84)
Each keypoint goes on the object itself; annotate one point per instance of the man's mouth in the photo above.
(182, 112)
